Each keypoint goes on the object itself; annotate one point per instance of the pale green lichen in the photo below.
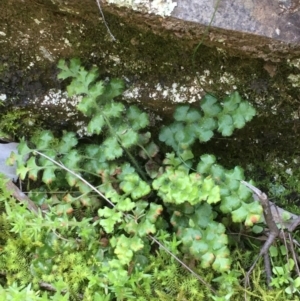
(175, 93)
(189, 91)
(294, 63)
(294, 80)
(158, 7)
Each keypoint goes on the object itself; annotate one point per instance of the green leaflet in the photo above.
(167, 134)
(136, 118)
(187, 114)
(190, 123)
(22, 171)
(132, 184)
(67, 142)
(206, 163)
(210, 106)
(49, 175)
(125, 247)
(87, 105)
(32, 169)
(43, 140)
(113, 89)
(231, 102)
(23, 148)
(209, 191)
(230, 203)
(225, 125)
(112, 109)
(250, 213)
(149, 151)
(68, 71)
(111, 148)
(128, 137)
(190, 235)
(96, 124)
(125, 205)
(72, 160)
(202, 215)
(109, 218)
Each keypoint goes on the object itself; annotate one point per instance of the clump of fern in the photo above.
(107, 201)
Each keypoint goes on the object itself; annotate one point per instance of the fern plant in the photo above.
(121, 189)
(191, 124)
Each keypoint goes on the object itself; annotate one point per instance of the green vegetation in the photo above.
(15, 122)
(114, 207)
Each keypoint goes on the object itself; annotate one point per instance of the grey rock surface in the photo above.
(5, 151)
(273, 19)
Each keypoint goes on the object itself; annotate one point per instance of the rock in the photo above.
(275, 19)
(5, 151)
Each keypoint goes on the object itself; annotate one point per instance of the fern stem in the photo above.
(131, 158)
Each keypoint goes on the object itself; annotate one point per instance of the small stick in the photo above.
(267, 263)
(274, 232)
(101, 12)
(21, 197)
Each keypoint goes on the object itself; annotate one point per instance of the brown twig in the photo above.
(273, 233)
(21, 197)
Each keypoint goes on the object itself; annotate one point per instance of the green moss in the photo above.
(15, 122)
